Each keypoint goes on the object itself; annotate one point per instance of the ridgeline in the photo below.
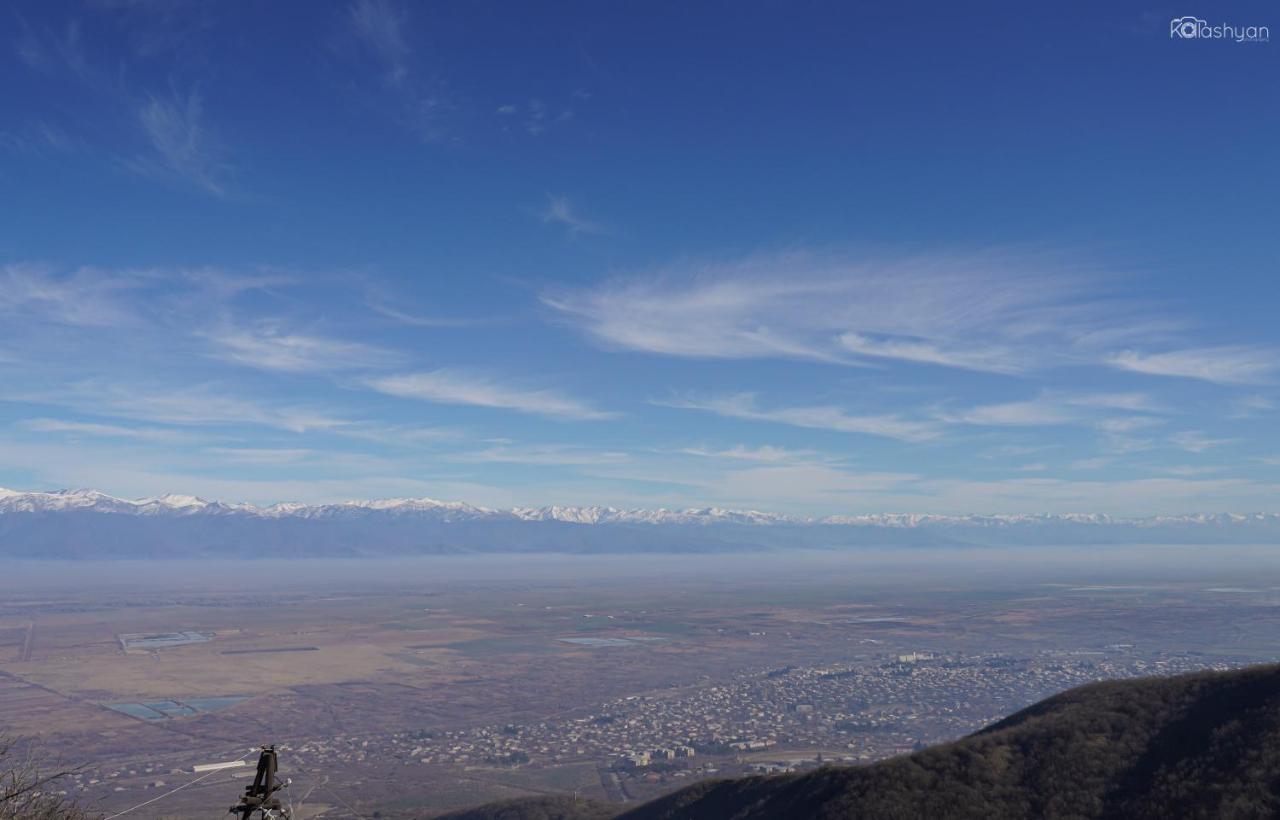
(1205, 745)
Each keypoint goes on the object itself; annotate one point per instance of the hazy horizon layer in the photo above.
(1104, 565)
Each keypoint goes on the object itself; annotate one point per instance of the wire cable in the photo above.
(171, 791)
(161, 797)
(338, 797)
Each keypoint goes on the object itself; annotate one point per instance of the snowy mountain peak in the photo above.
(52, 525)
(12, 501)
(174, 501)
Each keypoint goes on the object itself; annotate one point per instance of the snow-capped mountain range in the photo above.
(88, 523)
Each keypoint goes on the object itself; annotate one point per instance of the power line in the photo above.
(171, 791)
(161, 797)
(337, 797)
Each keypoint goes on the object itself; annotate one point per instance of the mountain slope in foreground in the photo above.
(1205, 745)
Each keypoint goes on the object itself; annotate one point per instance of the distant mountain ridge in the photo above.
(89, 523)
(1204, 745)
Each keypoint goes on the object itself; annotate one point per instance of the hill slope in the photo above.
(1205, 745)
(536, 808)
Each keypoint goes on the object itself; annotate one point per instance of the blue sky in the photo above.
(804, 257)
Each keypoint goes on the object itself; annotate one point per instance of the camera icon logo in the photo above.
(1186, 28)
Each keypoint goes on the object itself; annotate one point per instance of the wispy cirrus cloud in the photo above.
(381, 29)
(1029, 413)
(536, 116)
(1049, 409)
(764, 453)
(1190, 470)
(1122, 425)
(379, 25)
(181, 405)
(82, 297)
(541, 454)
(1152, 496)
(182, 147)
(169, 137)
(1223, 365)
(1120, 434)
(260, 456)
(50, 49)
(817, 417)
(458, 387)
(993, 360)
(81, 428)
(1008, 313)
(1244, 407)
(268, 346)
(994, 312)
(405, 317)
(559, 211)
(1196, 441)
(37, 137)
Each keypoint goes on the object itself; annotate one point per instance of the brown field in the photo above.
(372, 654)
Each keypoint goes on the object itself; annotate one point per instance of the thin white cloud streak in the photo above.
(993, 360)
(188, 405)
(826, 490)
(1133, 401)
(415, 320)
(540, 454)
(81, 428)
(1030, 413)
(39, 138)
(125, 472)
(558, 211)
(1245, 407)
(993, 312)
(1195, 441)
(809, 484)
(1014, 450)
(1121, 425)
(1190, 471)
(260, 456)
(1000, 313)
(456, 387)
(1050, 409)
(397, 435)
(381, 28)
(378, 24)
(1222, 365)
(821, 417)
(1151, 496)
(84, 297)
(268, 347)
(183, 147)
(814, 489)
(765, 453)
(178, 143)
(536, 117)
(48, 51)
(225, 284)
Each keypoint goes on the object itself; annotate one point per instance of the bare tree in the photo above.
(26, 784)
